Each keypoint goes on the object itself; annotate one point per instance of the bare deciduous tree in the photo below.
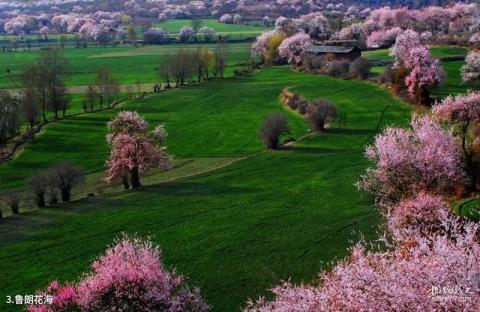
(197, 23)
(106, 87)
(90, 98)
(202, 57)
(28, 96)
(13, 201)
(165, 68)
(9, 117)
(273, 127)
(66, 177)
(320, 112)
(51, 67)
(220, 58)
(38, 183)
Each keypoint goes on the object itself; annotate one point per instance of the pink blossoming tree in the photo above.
(424, 71)
(64, 299)
(463, 111)
(383, 38)
(130, 276)
(407, 162)
(435, 273)
(421, 215)
(471, 70)
(133, 149)
(294, 48)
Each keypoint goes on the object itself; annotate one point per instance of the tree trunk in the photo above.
(135, 178)
(43, 111)
(125, 182)
(40, 200)
(66, 195)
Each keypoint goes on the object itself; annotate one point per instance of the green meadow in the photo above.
(128, 64)
(232, 217)
(233, 31)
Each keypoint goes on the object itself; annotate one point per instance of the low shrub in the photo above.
(319, 113)
(339, 69)
(13, 200)
(38, 183)
(65, 177)
(302, 109)
(273, 127)
(359, 69)
(314, 62)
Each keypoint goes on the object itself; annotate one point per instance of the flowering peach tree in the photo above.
(435, 273)
(407, 161)
(471, 70)
(463, 111)
(130, 276)
(294, 48)
(134, 149)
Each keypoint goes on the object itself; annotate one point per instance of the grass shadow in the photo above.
(346, 131)
(309, 149)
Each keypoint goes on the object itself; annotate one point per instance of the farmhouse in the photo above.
(339, 50)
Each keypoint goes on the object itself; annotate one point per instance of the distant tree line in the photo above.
(48, 187)
(41, 89)
(187, 65)
(103, 92)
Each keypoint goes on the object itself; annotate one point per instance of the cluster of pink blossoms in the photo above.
(435, 273)
(293, 48)
(425, 71)
(133, 150)
(129, 277)
(409, 161)
(64, 299)
(471, 70)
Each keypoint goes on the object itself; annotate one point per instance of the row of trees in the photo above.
(48, 186)
(61, 179)
(41, 89)
(181, 66)
(318, 113)
(104, 91)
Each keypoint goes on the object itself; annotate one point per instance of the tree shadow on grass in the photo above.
(189, 188)
(309, 149)
(346, 131)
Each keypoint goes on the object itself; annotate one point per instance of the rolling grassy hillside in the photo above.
(234, 231)
(127, 64)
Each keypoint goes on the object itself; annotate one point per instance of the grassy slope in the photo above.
(127, 64)
(235, 231)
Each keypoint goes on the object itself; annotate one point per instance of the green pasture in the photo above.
(469, 207)
(437, 51)
(232, 30)
(128, 64)
(235, 231)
